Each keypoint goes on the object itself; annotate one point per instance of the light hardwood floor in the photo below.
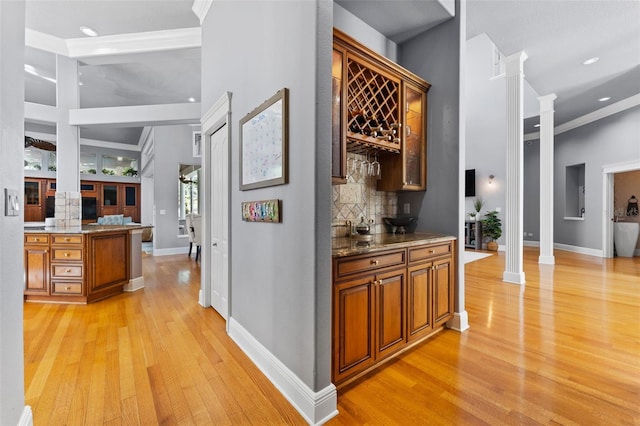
(563, 349)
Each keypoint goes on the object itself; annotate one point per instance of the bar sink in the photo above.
(625, 237)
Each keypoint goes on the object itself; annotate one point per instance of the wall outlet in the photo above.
(11, 202)
(163, 211)
(406, 208)
(530, 234)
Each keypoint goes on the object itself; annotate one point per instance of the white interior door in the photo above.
(219, 185)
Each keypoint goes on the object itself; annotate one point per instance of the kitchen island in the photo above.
(81, 264)
(389, 294)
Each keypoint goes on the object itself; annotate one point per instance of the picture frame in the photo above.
(197, 143)
(262, 211)
(264, 143)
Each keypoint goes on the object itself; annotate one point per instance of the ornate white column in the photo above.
(546, 179)
(513, 221)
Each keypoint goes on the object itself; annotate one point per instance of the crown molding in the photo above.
(625, 104)
(201, 8)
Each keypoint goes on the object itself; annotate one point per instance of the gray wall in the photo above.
(280, 289)
(172, 146)
(348, 23)
(434, 56)
(611, 140)
(11, 176)
(531, 193)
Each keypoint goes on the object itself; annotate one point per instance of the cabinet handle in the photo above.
(431, 251)
(67, 288)
(36, 239)
(67, 239)
(66, 254)
(67, 270)
(374, 262)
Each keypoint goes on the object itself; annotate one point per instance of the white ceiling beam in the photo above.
(39, 113)
(139, 115)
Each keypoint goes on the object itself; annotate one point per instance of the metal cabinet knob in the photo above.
(374, 262)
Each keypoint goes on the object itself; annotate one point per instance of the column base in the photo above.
(547, 260)
(513, 277)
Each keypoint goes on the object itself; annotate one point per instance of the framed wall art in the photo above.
(262, 211)
(264, 134)
(197, 144)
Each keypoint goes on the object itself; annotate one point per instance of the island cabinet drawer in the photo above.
(351, 265)
(66, 254)
(67, 288)
(36, 239)
(66, 271)
(418, 254)
(66, 239)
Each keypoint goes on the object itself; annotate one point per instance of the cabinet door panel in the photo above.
(36, 265)
(353, 314)
(419, 301)
(443, 291)
(391, 311)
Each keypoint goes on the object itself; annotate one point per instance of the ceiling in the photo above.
(557, 35)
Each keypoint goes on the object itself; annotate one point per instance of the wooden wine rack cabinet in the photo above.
(380, 108)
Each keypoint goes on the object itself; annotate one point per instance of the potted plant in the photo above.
(492, 229)
(477, 205)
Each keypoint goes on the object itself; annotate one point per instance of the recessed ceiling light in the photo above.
(89, 31)
(192, 99)
(536, 125)
(591, 61)
(606, 98)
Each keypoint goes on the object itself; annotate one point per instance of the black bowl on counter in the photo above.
(401, 225)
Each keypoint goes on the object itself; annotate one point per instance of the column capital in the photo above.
(546, 102)
(514, 63)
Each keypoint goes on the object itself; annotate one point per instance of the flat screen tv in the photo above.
(470, 183)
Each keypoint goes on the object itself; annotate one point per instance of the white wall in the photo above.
(172, 146)
(11, 234)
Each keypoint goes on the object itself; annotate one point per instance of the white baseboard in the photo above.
(316, 407)
(513, 277)
(134, 284)
(26, 419)
(581, 250)
(459, 322)
(170, 251)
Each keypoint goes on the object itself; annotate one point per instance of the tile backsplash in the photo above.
(359, 198)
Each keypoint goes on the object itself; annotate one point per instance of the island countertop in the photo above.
(346, 246)
(84, 229)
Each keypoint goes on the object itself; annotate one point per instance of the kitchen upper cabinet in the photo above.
(110, 199)
(131, 201)
(34, 206)
(379, 109)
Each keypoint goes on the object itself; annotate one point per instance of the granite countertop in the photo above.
(84, 229)
(346, 246)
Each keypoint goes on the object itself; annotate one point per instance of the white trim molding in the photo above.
(316, 407)
(26, 419)
(170, 251)
(459, 322)
(201, 8)
(134, 284)
(576, 249)
(625, 104)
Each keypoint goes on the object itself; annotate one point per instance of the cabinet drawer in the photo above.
(66, 271)
(367, 263)
(67, 239)
(36, 239)
(66, 254)
(418, 254)
(67, 288)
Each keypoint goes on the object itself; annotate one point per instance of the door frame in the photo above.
(212, 121)
(608, 171)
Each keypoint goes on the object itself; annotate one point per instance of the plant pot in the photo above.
(492, 246)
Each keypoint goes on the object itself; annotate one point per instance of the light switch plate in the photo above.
(11, 202)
